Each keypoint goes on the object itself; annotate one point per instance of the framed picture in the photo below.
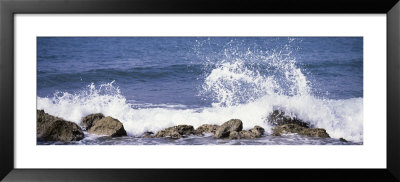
(153, 90)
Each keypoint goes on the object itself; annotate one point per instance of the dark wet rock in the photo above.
(176, 131)
(108, 126)
(206, 128)
(148, 134)
(51, 128)
(184, 129)
(100, 125)
(278, 117)
(88, 121)
(294, 128)
(285, 125)
(225, 129)
(343, 140)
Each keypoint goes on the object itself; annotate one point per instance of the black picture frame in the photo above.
(8, 8)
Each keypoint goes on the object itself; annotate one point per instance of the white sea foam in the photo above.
(341, 118)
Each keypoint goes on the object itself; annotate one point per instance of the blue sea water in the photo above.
(149, 83)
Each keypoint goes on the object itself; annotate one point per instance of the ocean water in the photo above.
(150, 83)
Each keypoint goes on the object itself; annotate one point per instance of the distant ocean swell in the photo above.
(248, 87)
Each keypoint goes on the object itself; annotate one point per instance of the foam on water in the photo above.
(341, 118)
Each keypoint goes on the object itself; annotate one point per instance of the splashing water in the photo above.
(238, 81)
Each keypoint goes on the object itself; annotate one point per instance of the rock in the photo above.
(225, 129)
(232, 129)
(170, 133)
(278, 117)
(343, 140)
(285, 125)
(51, 128)
(88, 121)
(255, 132)
(258, 131)
(184, 129)
(148, 134)
(234, 135)
(108, 126)
(295, 128)
(206, 128)
(176, 131)
(100, 125)
(247, 134)
(316, 132)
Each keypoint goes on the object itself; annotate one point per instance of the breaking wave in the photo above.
(247, 85)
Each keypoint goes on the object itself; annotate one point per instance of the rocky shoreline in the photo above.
(51, 128)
